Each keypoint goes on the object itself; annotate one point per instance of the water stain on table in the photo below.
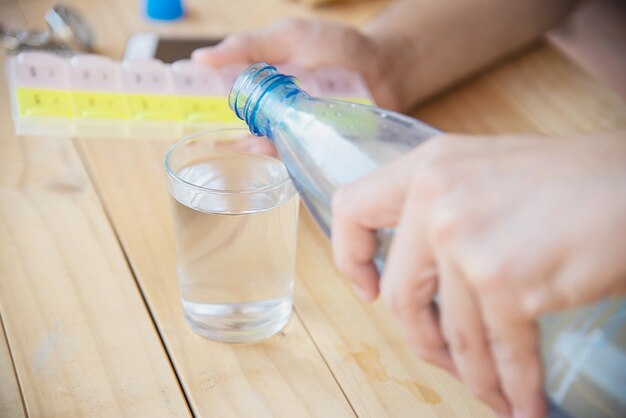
(368, 360)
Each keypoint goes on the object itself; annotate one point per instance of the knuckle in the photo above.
(494, 338)
(565, 296)
(488, 273)
(447, 224)
(397, 303)
(457, 339)
(537, 301)
(407, 301)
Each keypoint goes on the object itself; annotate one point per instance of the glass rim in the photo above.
(171, 174)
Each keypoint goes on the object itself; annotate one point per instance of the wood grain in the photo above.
(10, 397)
(284, 376)
(359, 343)
(82, 340)
(336, 348)
(363, 348)
(539, 91)
(370, 361)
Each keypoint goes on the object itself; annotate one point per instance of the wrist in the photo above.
(397, 56)
(383, 73)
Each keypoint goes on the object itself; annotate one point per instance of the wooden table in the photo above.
(92, 324)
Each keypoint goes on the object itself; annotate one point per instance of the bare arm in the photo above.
(427, 45)
(413, 50)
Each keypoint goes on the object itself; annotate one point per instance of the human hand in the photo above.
(505, 230)
(309, 44)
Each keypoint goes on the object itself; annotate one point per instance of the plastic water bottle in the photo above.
(326, 143)
(323, 143)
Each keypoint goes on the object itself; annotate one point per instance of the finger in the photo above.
(272, 44)
(465, 336)
(354, 246)
(238, 48)
(408, 284)
(358, 210)
(232, 50)
(514, 346)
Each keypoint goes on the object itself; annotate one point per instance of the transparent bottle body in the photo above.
(339, 143)
(325, 144)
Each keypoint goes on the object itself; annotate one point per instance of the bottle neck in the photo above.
(258, 95)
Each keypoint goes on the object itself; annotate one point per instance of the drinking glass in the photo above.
(235, 214)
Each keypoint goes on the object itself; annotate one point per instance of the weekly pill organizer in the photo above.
(95, 96)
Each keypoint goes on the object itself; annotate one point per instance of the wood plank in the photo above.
(81, 338)
(10, 398)
(364, 349)
(284, 376)
(214, 376)
(534, 93)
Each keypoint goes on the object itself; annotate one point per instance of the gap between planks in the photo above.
(82, 157)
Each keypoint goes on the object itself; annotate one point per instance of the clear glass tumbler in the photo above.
(235, 216)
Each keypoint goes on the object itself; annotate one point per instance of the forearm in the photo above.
(428, 45)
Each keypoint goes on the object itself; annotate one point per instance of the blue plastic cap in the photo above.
(164, 9)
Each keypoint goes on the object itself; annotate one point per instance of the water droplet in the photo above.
(331, 105)
(352, 105)
(337, 114)
(383, 115)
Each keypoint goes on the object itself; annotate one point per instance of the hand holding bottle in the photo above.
(504, 230)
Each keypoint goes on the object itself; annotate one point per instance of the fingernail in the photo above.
(361, 293)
